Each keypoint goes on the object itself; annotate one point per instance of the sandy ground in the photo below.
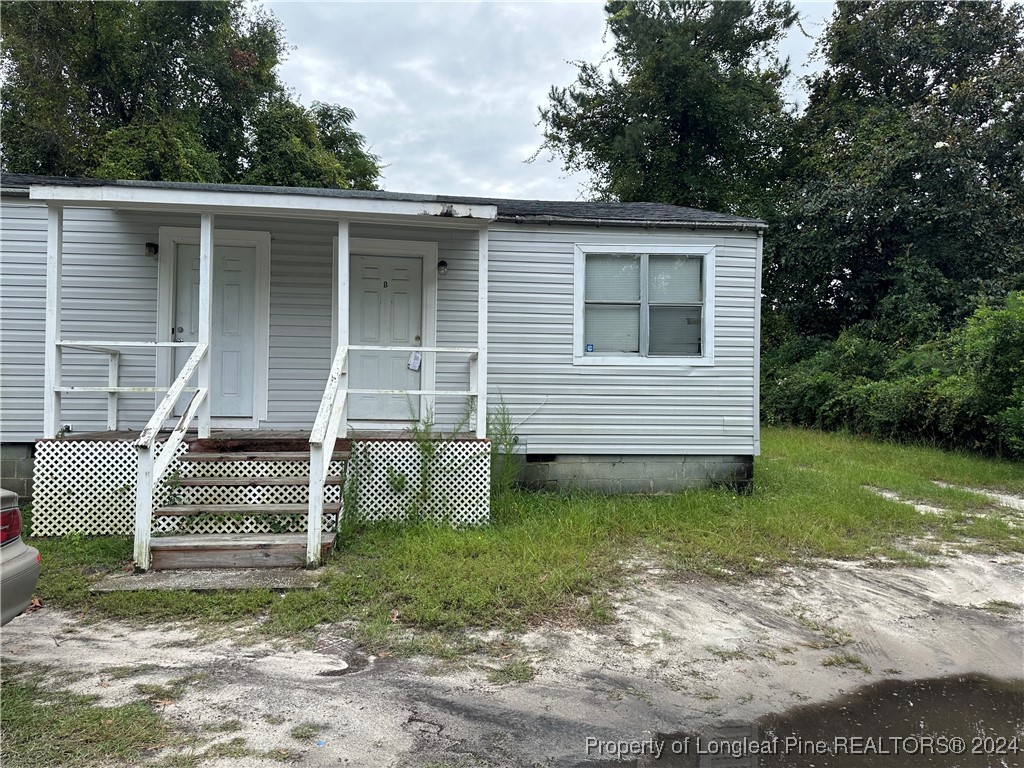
(685, 655)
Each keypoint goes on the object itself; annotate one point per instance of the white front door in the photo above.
(386, 310)
(233, 331)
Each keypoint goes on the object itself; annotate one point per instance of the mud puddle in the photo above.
(963, 721)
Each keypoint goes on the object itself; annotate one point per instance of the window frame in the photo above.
(707, 255)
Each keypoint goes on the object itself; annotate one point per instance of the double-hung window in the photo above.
(639, 305)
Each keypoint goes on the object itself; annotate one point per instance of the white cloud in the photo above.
(447, 93)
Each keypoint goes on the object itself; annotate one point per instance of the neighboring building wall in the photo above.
(109, 293)
(16, 468)
(562, 409)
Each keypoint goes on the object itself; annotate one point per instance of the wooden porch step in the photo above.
(255, 456)
(247, 481)
(235, 550)
(182, 510)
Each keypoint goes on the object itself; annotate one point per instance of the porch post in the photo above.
(144, 507)
(481, 339)
(205, 317)
(52, 352)
(342, 258)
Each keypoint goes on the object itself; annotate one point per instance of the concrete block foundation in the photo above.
(637, 473)
(16, 465)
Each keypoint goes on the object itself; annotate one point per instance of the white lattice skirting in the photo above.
(88, 487)
(442, 481)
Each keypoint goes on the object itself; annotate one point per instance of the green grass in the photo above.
(1001, 607)
(46, 728)
(306, 731)
(557, 557)
(227, 726)
(172, 691)
(126, 672)
(513, 672)
(725, 654)
(846, 659)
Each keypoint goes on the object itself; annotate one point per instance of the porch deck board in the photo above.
(234, 551)
(254, 434)
(217, 482)
(251, 455)
(240, 509)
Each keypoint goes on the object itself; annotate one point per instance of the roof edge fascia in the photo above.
(240, 202)
(751, 225)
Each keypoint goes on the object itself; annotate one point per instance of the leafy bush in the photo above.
(965, 390)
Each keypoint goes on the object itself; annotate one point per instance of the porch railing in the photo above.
(332, 422)
(151, 468)
(113, 387)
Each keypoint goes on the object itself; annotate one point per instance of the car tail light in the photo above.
(10, 525)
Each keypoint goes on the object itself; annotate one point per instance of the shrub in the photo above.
(965, 390)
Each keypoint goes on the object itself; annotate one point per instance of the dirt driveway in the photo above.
(684, 656)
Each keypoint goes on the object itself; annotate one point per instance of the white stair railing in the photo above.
(330, 419)
(151, 469)
(332, 422)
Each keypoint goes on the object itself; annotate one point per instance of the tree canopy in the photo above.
(183, 91)
(905, 206)
(686, 110)
(894, 259)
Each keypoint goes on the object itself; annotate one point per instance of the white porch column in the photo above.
(144, 507)
(342, 259)
(52, 353)
(205, 317)
(481, 333)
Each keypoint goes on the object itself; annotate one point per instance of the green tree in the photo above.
(171, 91)
(688, 112)
(906, 208)
(302, 148)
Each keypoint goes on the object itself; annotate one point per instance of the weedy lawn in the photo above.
(544, 558)
(558, 557)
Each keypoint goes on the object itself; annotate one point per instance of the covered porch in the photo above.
(232, 352)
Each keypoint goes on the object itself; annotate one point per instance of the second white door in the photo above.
(386, 310)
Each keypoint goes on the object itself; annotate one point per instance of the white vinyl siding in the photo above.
(109, 293)
(110, 288)
(22, 318)
(562, 408)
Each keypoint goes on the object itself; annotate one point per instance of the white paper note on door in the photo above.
(414, 361)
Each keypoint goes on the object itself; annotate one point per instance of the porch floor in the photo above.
(261, 435)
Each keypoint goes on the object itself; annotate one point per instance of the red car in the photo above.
(19, 563)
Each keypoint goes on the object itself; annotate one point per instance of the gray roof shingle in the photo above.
(525, 211)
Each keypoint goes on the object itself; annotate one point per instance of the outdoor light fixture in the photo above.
(442, 267)
(152, 249)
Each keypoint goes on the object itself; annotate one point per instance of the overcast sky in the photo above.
(447, 93)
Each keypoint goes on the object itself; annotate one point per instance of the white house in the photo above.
(243, 333)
